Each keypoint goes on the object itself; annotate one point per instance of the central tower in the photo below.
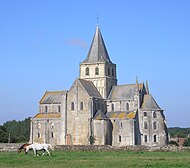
(97, 67)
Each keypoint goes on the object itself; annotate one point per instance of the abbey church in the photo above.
(98, 111)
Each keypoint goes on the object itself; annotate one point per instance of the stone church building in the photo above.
(95, 110)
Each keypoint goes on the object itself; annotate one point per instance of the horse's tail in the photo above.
(50, 146)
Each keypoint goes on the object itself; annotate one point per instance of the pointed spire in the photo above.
(147, 89)
(137, 84)
(98, 51)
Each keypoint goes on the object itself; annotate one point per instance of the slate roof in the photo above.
(98, 51)
(52, 97)
(149, 103)
(48, 115)
(90, 88)
(100, 116)
(121, 115)
(121, 92)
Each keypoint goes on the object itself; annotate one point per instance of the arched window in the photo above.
(59, 108)
(81, 105)
(145, 138)
(108, 71)
(145, 125)
(39, 135)
(72, 106)
(87, 71)
(52, 134)
(119, 138)
(38, 125)
(127, 106)
(96, 71)
(145, 114)
(52, 125)
(154, 125)
(154, 115)
(155, 138)
(112, 107)
(113, 74)
(46, 109)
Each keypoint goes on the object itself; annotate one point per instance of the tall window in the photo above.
(121, 126)
(119, 138)
(113, 74)
(154, 125)
(145, 125)
(81, 105)
(52, 134)
(39, 135)
(145, 114)
(46, 109)
(155, 138)
(72, 106)
(108, 71)
(59, 108)
(112, 107)
(87, 71)
(127, 106)
(96, 71)
(145, 138)
(154, 115)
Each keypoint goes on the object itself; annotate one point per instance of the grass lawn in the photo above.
(100, 159)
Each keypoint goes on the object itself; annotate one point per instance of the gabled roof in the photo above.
(100, 116)
(48, 115)
(90, 88)
(149, 103)
(52, 97)
(121, 92)
(98, 51)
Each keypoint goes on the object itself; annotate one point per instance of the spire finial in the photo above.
(97, 21)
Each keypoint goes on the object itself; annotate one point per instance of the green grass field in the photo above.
(100, 159)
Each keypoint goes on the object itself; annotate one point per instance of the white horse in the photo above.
(36, 147)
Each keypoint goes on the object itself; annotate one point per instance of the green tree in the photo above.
(187, 142)
(3, 134)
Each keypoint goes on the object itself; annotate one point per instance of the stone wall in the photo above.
(9, 146)
(15, 146)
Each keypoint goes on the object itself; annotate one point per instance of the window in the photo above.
(52, 125)
(81, 105)
(145, 125)
(127, 106)
(145, 114)
(52, 134)
(112, 107)
(72, 106)
(38, 126)
(59, 108)
(113, 74)
(145, 138)
(96, 71)
(154, 125)
(39, 135)
(155, 138)
(108, 71)
(119, 138)
(87, 71)
(154, 115)
(121, 126)
(46, 109)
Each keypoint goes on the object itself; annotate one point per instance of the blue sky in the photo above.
(42, 43)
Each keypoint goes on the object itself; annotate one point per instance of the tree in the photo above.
(187, 142)
(3, 134)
